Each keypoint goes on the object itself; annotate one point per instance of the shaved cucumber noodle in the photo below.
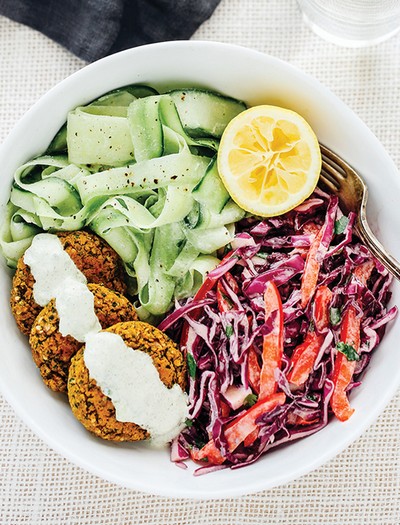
(135, 167)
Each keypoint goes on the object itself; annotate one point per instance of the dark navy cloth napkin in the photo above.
(92, 29)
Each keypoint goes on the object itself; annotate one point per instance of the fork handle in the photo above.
(376, 248)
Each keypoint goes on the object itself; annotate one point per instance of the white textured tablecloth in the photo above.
(361, 486)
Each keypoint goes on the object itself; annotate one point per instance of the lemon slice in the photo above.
(269, 160)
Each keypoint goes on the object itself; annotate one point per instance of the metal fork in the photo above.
(341, 179)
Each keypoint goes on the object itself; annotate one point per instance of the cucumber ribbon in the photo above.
(125, 168)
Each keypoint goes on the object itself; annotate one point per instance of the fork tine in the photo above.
(337, 163)
(332, 172)
(329, 177)
(331, 184)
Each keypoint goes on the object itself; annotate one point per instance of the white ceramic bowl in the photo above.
(255, 78)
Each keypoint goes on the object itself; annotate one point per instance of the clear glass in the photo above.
(352, 23)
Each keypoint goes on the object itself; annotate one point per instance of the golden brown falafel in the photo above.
(94, 409)
(93, 257)
(52, 352)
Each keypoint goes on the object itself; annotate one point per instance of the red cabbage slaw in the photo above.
(221, 334)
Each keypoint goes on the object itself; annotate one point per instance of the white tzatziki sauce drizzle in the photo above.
(57, 277)
(130, 379)
(127, 376)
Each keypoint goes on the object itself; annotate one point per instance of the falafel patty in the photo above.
(99, 263)
(52, 352)
(94, 409)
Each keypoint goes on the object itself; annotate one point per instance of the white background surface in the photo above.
(362, 485)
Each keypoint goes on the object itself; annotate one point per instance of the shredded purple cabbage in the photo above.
(219, 342)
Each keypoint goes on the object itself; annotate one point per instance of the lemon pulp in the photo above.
(269, 160)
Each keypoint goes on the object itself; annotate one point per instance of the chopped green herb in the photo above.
(311, 397)
(199, 443)
(229, 330)
(250, 400)
(263, 255)
(334, 315)
(341, 225)
(188, 422)
(192, 367)
(349, 351)
(227, 300)
(228, 248)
